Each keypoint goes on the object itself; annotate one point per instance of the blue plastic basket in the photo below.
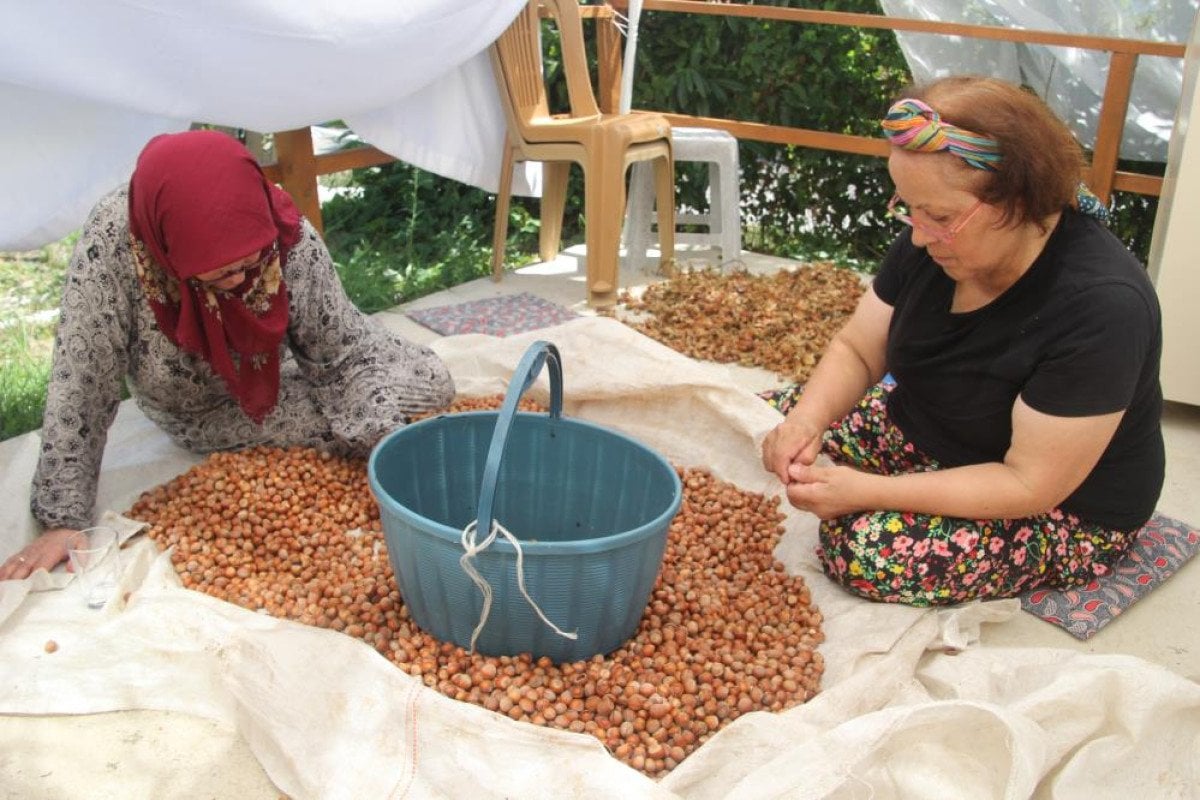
(589, 507)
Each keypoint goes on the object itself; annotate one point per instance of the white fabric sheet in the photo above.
(915, 703)
(84, 84)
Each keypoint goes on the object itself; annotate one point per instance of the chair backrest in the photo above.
(517, 62)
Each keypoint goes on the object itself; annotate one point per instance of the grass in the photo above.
(30, 287)
(23, 379)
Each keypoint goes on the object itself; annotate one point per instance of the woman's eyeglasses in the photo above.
(269, 254)
(896, 209)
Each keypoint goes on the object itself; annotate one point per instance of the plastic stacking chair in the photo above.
(716, 147)
(603, 144)
(719, 149)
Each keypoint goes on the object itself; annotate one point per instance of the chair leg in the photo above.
(664, 191)
(554, 202)
(715, 196)
(503, 200)
(640, 207)
(731, 217)
(604, 190)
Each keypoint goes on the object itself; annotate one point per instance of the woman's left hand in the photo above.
(827, 491)
(45, 552)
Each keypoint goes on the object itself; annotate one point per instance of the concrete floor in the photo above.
(1163, 627)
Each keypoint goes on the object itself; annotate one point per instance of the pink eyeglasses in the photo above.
(898, 211)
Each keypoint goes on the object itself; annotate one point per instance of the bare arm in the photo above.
(1049, 458)
(854, 361)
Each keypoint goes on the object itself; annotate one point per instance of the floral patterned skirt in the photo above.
(924, 559)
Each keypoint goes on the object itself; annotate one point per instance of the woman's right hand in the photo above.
(793, 441)
(45, 552)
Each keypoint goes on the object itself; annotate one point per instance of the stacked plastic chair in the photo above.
(718, 148)
(605, 145)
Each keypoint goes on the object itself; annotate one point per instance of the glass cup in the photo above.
(95, 555)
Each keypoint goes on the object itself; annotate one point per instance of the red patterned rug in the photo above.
(1162, 546)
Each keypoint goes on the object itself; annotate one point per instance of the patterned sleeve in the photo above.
(89, 363)
(366, 380)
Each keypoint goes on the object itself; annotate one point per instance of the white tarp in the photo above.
(84, 84)
(915, 703)
(1071, 80)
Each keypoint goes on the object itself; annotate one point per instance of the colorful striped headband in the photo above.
(912, 125)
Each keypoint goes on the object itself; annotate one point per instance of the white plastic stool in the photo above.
(719, 149)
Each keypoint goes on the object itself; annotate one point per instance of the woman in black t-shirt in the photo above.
(1020, 444)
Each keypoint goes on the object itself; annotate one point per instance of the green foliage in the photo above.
(1132, 215)
(399, 233)
(24, 375)
(796, 202)
(404, 232)
(407, 232)
(30, 288)
(32, 282)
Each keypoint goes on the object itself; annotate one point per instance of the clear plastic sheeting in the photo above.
(85, 83)
(1071, 80)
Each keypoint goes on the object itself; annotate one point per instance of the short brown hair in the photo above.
(1041, 161)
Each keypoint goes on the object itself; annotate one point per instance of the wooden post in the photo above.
(298, 172)
(1111, 126)
(609, 53)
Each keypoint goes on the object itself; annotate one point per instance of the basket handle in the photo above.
(527, 371)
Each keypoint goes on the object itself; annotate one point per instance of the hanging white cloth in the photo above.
(84, 84)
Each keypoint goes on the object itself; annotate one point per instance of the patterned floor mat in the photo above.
(1162, 546)
(503, 315)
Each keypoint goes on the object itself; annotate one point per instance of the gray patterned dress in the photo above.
(345, 381)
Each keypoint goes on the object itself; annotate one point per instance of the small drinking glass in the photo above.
(95, 555)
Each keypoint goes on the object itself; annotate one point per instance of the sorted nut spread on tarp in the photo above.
(296, 534)
(780, 322)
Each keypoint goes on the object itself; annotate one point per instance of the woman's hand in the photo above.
(794, 441)
(45, 552)
(825, 490)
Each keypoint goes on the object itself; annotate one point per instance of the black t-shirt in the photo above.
(1079, 334)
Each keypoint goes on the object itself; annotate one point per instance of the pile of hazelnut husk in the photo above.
(297, 534)
(780, 322)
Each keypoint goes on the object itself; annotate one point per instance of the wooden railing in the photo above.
(297, 167)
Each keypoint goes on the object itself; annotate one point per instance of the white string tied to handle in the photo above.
(470, 548)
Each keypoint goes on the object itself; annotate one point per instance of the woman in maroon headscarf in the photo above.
(203, 288)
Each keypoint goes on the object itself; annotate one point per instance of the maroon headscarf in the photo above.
(198, 201)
